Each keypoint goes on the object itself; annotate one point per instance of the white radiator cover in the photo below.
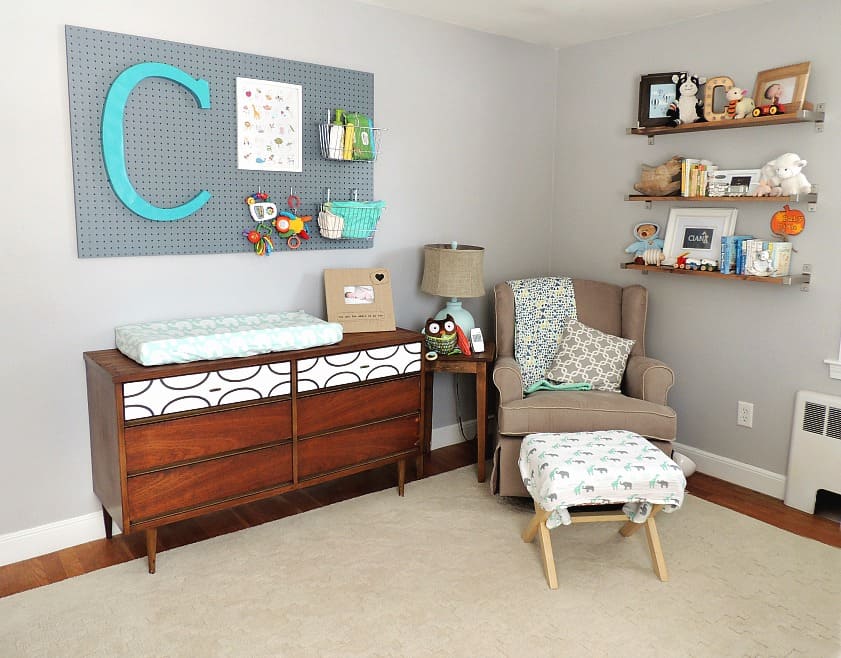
(814, 458)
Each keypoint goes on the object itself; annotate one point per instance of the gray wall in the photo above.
(466, 146)
(727, 341)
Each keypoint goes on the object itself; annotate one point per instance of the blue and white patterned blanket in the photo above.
(542, 306)
(599, 468)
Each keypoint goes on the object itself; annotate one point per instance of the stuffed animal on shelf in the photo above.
(648, 249)
(783, 176)
(739, 106)
(686, 107)
(662, 180)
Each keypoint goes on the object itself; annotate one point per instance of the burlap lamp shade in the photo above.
(453, 270)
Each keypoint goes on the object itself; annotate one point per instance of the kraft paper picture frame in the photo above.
(360, 299)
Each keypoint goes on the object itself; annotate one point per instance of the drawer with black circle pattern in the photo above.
(355, 367)
(205, 390)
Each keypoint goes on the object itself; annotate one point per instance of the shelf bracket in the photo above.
(648, 205)
(805, 277)
(820, 107)
(651, 140)
(812, 199)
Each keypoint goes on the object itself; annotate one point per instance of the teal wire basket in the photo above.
(359, 219)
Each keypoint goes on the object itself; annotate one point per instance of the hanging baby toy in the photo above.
(289, 225)
(262, 210)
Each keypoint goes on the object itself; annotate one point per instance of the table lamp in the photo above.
(453, 270)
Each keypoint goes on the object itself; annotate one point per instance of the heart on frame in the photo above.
(379, 276)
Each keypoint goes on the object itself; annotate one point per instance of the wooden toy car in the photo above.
(768, 110)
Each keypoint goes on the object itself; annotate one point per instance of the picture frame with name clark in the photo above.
(697, 233)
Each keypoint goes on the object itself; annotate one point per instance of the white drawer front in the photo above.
(167, 395)
(355, 367)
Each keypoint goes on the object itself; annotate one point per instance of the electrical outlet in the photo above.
(744, 414)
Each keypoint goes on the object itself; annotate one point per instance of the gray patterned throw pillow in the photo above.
(587, 355)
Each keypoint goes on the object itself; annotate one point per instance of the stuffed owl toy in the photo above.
(445, 336)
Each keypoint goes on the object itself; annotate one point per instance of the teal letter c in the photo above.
(113, 142)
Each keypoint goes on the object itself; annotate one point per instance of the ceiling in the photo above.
(562, 23)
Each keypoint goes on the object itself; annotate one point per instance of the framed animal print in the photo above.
(657, 91)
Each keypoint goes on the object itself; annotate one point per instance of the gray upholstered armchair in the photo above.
(641, 407)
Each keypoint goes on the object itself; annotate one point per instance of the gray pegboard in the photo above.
(174, 149)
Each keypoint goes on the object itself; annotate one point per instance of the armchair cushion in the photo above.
(587, 355)
(585, 411)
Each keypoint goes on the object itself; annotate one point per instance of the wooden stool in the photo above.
(537, 526)
(590, 469)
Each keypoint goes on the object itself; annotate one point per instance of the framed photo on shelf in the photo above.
(784, 86)
(697, 232)
(657, 91)
(740, 182)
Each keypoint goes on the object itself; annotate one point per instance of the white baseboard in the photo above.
(25, 544)
(43, 539)
(730, 470)
(450, 434)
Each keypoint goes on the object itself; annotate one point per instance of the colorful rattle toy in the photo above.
(261, 239)
(262, 210)
(289, 225)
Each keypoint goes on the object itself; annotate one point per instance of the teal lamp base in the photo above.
(462, 316)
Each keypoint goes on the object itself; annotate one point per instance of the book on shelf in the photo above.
(730, 253)
(694, 177)
(767, 258)
(686, 167)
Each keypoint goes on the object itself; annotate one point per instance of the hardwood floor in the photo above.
(101, 553)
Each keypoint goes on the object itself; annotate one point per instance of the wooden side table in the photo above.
(477, 365)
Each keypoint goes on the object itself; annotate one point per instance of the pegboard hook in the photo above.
(355, 194)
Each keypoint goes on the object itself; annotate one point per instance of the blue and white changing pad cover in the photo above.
(223, 336)
(599, 468)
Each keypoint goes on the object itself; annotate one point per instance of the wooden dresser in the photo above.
(176, 441)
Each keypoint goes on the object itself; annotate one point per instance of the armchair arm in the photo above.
(508, 379)
(648, 379)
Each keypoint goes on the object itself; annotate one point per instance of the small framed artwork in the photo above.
(269, 118)
(696, 232)
(657, 91)
(785, 87)
(359, 299)
(736, 182)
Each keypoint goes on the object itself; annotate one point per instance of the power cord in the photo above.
(458, 413)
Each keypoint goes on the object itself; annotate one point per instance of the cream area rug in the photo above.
(443, 572)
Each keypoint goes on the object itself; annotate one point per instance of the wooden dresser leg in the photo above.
(401, 476)
(151, 547)
(109, 523)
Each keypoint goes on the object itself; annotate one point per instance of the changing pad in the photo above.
(223, 336)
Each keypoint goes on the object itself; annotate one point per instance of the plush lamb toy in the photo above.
(648, 249)
(686, 107)
(738, 105)
(782, 176)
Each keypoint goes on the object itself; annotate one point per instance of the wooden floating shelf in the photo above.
(773, 280)
(713, 199)
(801, 116)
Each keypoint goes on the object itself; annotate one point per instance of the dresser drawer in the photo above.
(354, 367)
(204, 390)
(175, 489)
(182, 439)
(321, 412)
(338, 450)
